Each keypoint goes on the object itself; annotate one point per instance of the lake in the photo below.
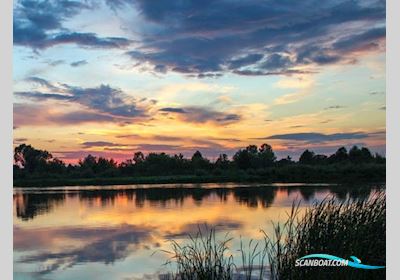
(119, 232)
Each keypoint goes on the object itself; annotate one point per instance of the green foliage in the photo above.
(250, 164)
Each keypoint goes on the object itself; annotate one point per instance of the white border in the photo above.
(6, 228)
(392, 151)
(393, 138)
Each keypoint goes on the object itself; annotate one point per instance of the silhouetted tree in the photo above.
(320, 159)
(222, 161)
(380, 159)
(198, 162)
(307, 157)
(340, 155)
(30, 158)
(266, 155)
(357, 155)
(285, 161)
(242, 159)
(33, 163)
(138, 157)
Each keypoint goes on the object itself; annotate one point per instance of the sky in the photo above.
(112, 77)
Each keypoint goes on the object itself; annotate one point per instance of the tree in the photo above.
(242, 159)
(197, 156)
(252, 149)
(138, 157)
(285, 161)
(366, 155)
(380, 159)
(266, 155)
(89, 162)
(319, 159)
(357, 155)
(307, 157)
(30, 158)
(56, 166)
(340, 155)
(222, 161)
(199, 162)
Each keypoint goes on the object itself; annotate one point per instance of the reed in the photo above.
(344, 229)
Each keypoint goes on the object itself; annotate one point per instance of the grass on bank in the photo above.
(290, 174)
(344, 229)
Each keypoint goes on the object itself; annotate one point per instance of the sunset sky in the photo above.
(111, 77)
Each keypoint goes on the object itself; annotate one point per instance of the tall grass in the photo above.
(204, 257)
(344, 229)
(351, 228)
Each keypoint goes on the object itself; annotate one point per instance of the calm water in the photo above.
(113, 232)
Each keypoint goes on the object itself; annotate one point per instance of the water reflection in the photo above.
(30, 204)
(117, 230)
(100, 244)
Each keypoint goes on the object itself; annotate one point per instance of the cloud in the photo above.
(78, 63)
(41, 82)
(39, 25)
(244, 61)
(197, 114)
(377, 93)
(55, 62)
(314, 137)
(362, 41)
(254, 37)
(41, 115)
(102, 99)
(20, 140)
(291, 98)
(173, 110)
(99, 144)
(334, 107)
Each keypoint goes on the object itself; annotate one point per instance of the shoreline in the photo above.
(179, 179)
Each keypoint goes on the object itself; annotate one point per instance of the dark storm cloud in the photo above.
(314, 137)
(197, 114)
(78, 63)
(254, 37)
(39, 25)
(102, 99)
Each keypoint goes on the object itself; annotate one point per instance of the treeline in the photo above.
(252, 161)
